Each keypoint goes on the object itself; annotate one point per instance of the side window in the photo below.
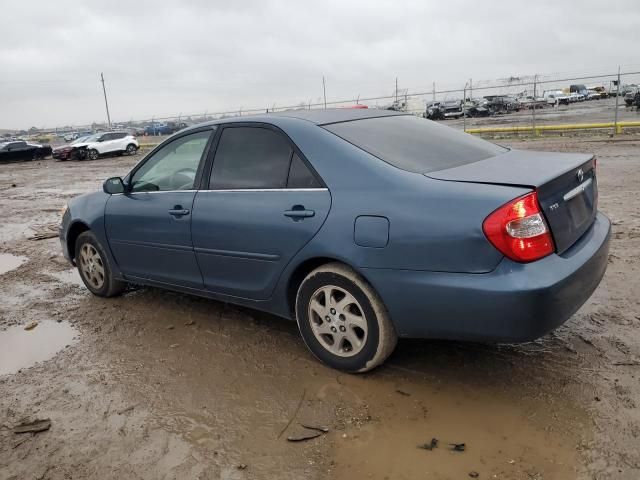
(300, 176)
(105, 138)
(250, 158)
(173, 167)
(118, 136)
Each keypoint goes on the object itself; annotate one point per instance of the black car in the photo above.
(444, 110)
(497, 104)
(21, 150)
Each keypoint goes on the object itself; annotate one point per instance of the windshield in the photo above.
(80, 139)
(415, 144)
(91, 138)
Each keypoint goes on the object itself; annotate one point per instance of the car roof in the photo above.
(316, 116)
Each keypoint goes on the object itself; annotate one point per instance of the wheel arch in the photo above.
(74, 232)
(303, 269)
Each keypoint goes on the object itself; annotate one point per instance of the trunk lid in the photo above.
(565, 182)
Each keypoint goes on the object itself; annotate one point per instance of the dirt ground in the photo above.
(156, 385)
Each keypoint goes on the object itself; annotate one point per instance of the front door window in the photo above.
(173, 167)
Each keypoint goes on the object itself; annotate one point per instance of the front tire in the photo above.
(94, 267)
(93, 154)
(342, 319)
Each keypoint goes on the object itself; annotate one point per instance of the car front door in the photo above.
(106, 143)
(149, 226)
(20, 151)
(261, 204)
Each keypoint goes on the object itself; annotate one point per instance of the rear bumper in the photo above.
(514, 303)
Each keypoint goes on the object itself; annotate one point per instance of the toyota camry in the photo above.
(361, 225)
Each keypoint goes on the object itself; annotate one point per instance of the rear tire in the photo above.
(131, 149)
(94, 267)
(342, 319)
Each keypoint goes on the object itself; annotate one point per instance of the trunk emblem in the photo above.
(580, 175)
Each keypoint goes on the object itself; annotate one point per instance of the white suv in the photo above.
(111, 143)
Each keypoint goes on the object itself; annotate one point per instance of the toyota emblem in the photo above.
(580, 175)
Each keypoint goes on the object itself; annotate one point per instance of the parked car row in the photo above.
(168, 128)
(502, 104)
(483, 107)
(576, 93)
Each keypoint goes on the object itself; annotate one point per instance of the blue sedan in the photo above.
(362, 225)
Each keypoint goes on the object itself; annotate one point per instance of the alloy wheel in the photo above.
(92, 266)
(338, 321)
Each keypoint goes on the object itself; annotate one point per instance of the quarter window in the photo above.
(300, 176)
(173, 167)
(250, 158)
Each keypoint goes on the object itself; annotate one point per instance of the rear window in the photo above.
(415, 144)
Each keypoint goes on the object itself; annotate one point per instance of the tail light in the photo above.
(518, 230)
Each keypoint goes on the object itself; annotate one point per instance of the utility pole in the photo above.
(471, 89)
(324, 92)
(615, 121)
(434, 91)
(106, 103)
(464, 108)
(396, 90)
(535, 83)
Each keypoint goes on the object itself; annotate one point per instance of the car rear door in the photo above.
(149, 226)
(109, 143)
(24, 151)
(120, 141)
(261, 203)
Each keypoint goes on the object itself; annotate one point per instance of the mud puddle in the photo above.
(240, 405)
(20, 348)
(69, 277)
(502, 437)
(10, 262)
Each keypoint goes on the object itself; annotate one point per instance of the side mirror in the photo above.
(113, 185)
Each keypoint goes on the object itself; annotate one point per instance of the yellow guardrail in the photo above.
(542, 128)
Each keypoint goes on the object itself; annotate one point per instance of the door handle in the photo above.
(298, 212)
(178, 212)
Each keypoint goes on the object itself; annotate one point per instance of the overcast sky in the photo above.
(191, 56)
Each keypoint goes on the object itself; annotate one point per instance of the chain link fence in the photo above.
(526, 103)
